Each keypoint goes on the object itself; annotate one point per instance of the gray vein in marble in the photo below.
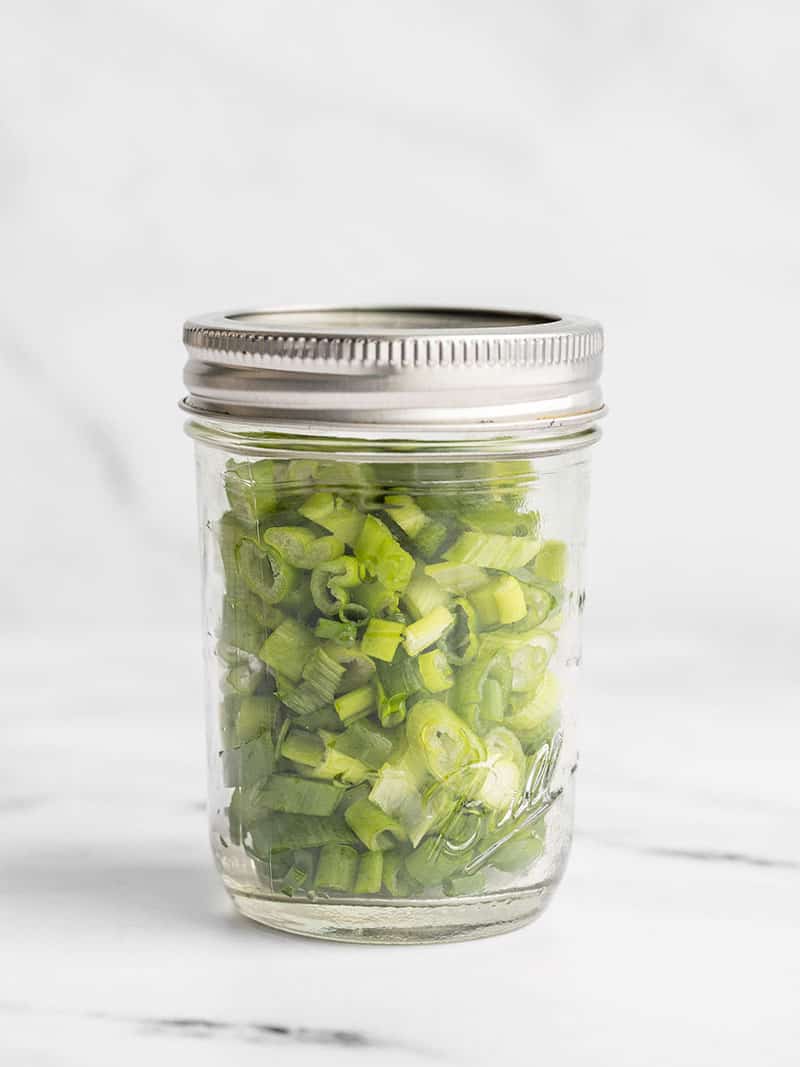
(267, 1032)
(259, 1033)
(705, 855)
(718, 856)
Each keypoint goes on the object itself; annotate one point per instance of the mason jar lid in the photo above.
(396, 372)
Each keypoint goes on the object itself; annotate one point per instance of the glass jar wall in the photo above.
(392, 637)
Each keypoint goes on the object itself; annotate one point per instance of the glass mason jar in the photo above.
(392, 512)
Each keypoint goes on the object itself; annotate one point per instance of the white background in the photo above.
(635, 162)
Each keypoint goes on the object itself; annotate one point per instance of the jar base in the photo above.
(398, 922)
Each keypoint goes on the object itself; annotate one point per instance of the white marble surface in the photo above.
(673, 941)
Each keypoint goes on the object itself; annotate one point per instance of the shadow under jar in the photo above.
(392, 511)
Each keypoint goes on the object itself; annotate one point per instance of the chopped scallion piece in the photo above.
(265, 571)
(336, 868)
(456, 577)
(406, 513)
(356, 703)
(303, 747)
(301, 796)
(426, 631)
(423, 594)
(287, 648)
(373, 827)
(334, 514)
(382, 556)
(381, 638)
(369, 877)
(436, 672)
(551, 562)
(497, 551)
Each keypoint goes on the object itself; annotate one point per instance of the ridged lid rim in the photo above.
(519, 338)
(392, 366)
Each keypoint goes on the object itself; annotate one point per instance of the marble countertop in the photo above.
(673, 940)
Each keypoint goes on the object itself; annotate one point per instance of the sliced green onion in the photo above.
(382, 556)
(230, 531)
(437, 674)
(527, 667)
(460, 642)
(359, 669)
(509, 640)
(534, 717)
(366, 742)
(423, 594)
(287, 649)
(337, 767)
(321, 678)
(354, 481)
(373, 827)
(334, 630)
(300, 874)
(430, 863)
(245, 678)
(375, 598)
(465, 885)
(242, 627)
(323, 719)
(336, 868)
(492, 701)
(426, 631)
(249, 764)
(391, 707)
(498, 518)
(300, 473)
(356, 703)
(442, 739)
(303, 747)
(520, 850)
(234, 814)
(430, 539)
(456, 577)
(256, 715)
(381, 638)
(483, 687)
(551, 562)
(497, 551)
(301, 796)
(369, 877)
(540, 603)
(485, 605)
(505, 770)
(396, 880)
(301, 547)
(334, 514)
(250, 488)
(265, 571)
(229, 720)
(330, 583)
(280, 831)
(398, 791)
(406, 513)
(509, 599)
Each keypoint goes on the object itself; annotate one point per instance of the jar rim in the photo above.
(254, 437)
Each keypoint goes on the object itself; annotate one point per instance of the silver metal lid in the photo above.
(396, 371)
